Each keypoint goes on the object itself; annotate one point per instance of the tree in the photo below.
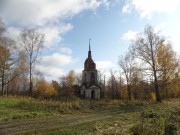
(67, 82)
(56, 85)
(146, 47)
(5, 64)
(44, 90)
(167, 63)
(7, 58)
(20, 83)
(126, 63)
(71, 78)
(31, 41)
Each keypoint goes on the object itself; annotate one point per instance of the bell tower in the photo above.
(89, 72)
(90, 88)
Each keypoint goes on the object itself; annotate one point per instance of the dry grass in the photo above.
(19, 115)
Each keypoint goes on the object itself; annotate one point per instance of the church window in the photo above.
(92, 77)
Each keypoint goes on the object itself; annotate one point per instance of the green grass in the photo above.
(22, 115)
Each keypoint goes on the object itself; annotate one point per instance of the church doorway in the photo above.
(92, 94)
(84, 94)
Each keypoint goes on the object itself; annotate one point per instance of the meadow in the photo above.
(23, 115)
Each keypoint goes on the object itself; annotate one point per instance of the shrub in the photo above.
(136, 130)
(44, 90)
(153, 96)
(170, 129)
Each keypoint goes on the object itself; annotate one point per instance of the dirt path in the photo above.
(47, 124)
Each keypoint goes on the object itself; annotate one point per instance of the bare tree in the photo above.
(120, 84)
(31, 41)
(113, 86)
(146, 47)
(126, 63)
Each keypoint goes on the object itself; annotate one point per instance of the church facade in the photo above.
(90, 88)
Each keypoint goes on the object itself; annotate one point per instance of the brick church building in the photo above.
(90, 88)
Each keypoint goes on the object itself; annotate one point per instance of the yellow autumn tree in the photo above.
(168, 64)
(67, 82)
(44, 89)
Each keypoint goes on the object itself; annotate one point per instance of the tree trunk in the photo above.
(30, 79)
(129, 91)
(2, 83)
(158, 97)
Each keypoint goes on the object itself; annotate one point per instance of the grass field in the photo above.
(22, 115)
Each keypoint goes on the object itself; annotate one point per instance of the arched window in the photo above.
(92, 77)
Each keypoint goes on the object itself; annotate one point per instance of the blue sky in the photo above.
(68, 25)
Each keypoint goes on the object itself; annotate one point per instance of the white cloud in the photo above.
(57, 60)
(51, 72)
(147, 8)
(170, 34)
(52, 66)
(160, 27)
(33, 12)
(78, 70)
(127, 8)
(53, 33)
(175, 43)
(13, 33)
(104, 65)
(130, 35)
(66, 50)
(47, 15)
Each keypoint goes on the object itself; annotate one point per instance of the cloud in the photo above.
(57, 60)
(127, 8)
(66, 50)
(175, 44)
(49, 72)
(130, 35)
(52, 66)
(160, 27)
(13, 33)
(104, 65)
(49, 16)
(171, 35)
(147, 8)
(53, 33)
(33, 12)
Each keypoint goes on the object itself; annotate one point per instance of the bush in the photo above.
(153, 96)
(170, 129)
(44, 90)
(136, 130)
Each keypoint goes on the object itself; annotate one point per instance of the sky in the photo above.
(69, 24)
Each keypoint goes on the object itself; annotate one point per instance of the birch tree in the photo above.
(32, 42)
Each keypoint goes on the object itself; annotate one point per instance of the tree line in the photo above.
(151, 67)
(149, 70)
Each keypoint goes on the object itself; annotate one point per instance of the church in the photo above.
(90, 88)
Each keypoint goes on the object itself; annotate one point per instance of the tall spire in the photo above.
(89, 52)
(89, 45)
